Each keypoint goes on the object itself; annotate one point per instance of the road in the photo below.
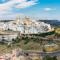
(57, 53)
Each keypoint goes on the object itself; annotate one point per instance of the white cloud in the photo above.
(16, 4)
(24, 4)
(49, 9)
(7, 7)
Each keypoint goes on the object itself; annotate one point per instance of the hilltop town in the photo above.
(23, 38)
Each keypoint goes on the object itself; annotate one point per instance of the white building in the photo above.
(26, 26)
(7, 36)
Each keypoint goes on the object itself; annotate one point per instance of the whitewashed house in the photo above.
(7, 36)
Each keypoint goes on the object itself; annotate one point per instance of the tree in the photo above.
(55, 58)
(47, 58)
(50, 58)
(26, 40)
(17, 40)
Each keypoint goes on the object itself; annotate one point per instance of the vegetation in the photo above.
(46, 34)
(17, 40)
(28, 42)
(57, 30)
(50, 58)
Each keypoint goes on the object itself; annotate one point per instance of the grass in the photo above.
(25, 44)
(4, 48)
(57, 30)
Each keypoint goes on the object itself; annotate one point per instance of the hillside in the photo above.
(52, 22)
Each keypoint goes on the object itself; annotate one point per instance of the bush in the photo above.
(17, 40)
(55, 58)
(26, 40)
(50, 58)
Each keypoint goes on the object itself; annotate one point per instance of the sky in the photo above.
(39, 9)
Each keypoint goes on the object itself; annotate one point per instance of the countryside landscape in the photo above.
(29, 30)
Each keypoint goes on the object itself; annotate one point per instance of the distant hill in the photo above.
(5, 20)
(52, 22)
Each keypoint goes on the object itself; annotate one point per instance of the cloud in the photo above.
(7, 6)
(16, 4)
(24, 4)
(49, 9)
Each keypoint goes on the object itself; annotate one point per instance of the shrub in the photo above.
(50, 58)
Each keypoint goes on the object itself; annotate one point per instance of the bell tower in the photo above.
(18, 19)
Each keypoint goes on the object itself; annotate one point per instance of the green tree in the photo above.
(50, 58)
(55, 58)
(26, 40)
(17, 40)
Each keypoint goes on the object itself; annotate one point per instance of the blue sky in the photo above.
(43, 9)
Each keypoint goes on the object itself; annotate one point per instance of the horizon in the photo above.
(39, 9)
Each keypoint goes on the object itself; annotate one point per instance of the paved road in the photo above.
(44, 38)
(57, 53)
